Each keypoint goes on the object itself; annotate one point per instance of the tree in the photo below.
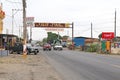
(100, 36)
(44, 40)
(64, 39)
(52, 37)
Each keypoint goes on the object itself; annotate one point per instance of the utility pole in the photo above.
(7, 32)
(12, 21)
(30, 34)
(24, 22)
(115, 24)
(24, 28)
(72, 33)
(13, 13)
(91, 30)
(19, 31)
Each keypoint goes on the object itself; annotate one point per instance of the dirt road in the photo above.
(33, 67)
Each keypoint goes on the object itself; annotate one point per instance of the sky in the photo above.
(101, 13)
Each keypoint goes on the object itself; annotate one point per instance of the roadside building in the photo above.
(82, 41)
(115, 46)
(7, 40)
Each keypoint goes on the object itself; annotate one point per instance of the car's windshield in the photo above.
(29, 45)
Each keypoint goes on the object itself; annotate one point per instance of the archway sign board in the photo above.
(55, 25)
(52, 25)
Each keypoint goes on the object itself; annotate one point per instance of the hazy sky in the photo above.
(81, 12)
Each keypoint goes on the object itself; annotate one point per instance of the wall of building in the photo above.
(79, 41)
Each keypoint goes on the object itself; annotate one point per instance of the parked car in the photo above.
(47, 46)
(58, 46)
(32, 49)
(18, 48)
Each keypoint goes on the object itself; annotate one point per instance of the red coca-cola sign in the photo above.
(107, 35)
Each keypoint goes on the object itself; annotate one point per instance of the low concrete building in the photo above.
(82, 41)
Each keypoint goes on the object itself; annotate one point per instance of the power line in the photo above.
(13, 2)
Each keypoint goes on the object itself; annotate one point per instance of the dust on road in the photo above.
(33, 67)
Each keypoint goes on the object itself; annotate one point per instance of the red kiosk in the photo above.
(108, 36)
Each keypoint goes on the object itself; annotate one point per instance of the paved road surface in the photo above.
(76, 65)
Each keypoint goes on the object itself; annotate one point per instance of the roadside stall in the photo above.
(6, 43)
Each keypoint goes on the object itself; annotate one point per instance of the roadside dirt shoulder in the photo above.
(33, 67)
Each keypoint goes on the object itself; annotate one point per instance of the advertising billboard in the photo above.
(29, 21)
(107, 35)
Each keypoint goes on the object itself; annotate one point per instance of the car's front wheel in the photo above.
(36, 51)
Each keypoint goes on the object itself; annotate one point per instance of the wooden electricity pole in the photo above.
(24, 22)
(24, 28)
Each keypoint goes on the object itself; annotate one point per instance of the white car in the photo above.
(57, 47)
(32, 49)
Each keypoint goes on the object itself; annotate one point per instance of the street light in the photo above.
(13, 17)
